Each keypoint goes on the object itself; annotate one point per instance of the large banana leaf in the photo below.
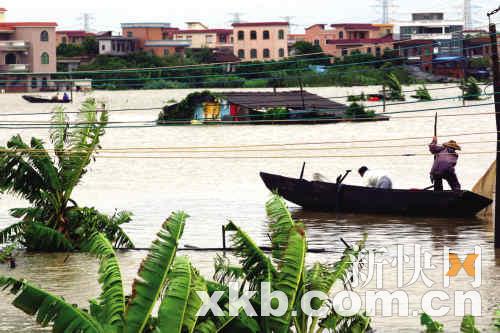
(175, 301)
(281, 224)
(194, 301)
(38, 237)
(153, 273)
(254, 262)
(112, 300)
(12, 233)
(290, 275)
(323, 278)
(49, 309)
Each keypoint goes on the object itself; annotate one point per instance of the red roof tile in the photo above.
(352, 26)
(386, 39)
(75, 33)
(258, 24)
(3, 9)
(27, 24)
(322, 26)
(208, 31)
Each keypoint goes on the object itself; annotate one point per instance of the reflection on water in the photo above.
(213, 191)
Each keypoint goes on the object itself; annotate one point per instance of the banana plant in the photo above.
(286, 271)
(161, 278)
(47, 180)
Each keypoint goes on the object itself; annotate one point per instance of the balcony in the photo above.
(14, 45)
(14, 68)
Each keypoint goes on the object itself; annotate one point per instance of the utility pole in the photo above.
(496, 93)
(468, 23)
(87, 19)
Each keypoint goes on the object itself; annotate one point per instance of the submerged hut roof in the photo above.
(289, 99)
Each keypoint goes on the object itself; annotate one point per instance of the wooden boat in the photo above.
(323, 196)
(37, 99)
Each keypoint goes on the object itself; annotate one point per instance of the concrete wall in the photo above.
(38, 47)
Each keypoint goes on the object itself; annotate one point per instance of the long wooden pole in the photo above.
(496, 91)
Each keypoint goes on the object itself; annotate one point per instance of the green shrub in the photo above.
(186, 108)
(356, 110)
(422, 94)
(471, 90)
(163, 84)
(224, 82)
(395, 90)
(356, 98)
(256, 83)
(276, 113)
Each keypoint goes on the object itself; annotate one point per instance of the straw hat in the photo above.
(452, 144)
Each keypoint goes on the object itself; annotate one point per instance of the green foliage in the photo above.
(224, 82)
(163, 84)
(431, 326)
(256, 83)
(89, 47)
(471, 90)
(468, 325)
(356, 110)
(109, 312)
(422, 94)
(303, 47)
(6, 253)
(479, 63)
(54, 222)
(187, 107)
(356, 98)
(276, 113)
(395, 90)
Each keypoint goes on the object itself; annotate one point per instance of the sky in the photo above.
(108, 14)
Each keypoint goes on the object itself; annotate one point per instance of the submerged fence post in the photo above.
(224, 239)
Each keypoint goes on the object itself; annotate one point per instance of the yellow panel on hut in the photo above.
(211, 110)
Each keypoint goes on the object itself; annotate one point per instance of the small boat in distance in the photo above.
(323, 196)
(38, 99)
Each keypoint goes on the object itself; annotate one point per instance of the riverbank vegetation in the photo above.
(170, 283)
(47, 178)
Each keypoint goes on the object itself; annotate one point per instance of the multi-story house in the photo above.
(157, 38)
(201, 36)
(346, 38)
(72, 37)
(261, 40)
(27, 54)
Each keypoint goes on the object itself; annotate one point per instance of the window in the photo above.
(369, 50)
(45, 58)
(103, 47)
(265, 34)
(45, 83)
(34, 83)
(44, 36)
(316, 42)
(281, 53)
(130, 34)
(253, 35)
(241, 54)
(10, 59)
(266, 53)
(345, 52)
(64, 40)
(241, 35)
(281, 34)
(378, 52)
(253, 53)
(341, 35)
(166, 52)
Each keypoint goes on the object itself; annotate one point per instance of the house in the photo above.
(27, 54)
(342, 39)
(117, 45)
(261, 40)
(72, 37)
(201, 36)
(255, 107)
(155, 37)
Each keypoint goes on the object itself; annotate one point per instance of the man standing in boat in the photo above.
(445, 160)
(375, 178)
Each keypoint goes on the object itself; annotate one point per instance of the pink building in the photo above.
(261, 40)
(346, 38)
(27, 55)
(72, 37)
(200, 36)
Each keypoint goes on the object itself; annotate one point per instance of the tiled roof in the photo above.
(259, 24)
(207, 31)
(27, 24)
(353, 26)
(321, 25)
(3, 10)
(75, 33)
(386, 39)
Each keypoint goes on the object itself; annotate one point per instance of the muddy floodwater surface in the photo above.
(213, 190)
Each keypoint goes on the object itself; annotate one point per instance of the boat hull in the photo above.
(322, 196)
(34, 99)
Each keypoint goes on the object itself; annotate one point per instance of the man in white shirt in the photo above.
(375, 178)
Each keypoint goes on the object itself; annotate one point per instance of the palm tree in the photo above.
(286, 271)
(54, 222)
(112, 311)
(173, 282)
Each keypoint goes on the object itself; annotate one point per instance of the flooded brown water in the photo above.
(215, 190)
